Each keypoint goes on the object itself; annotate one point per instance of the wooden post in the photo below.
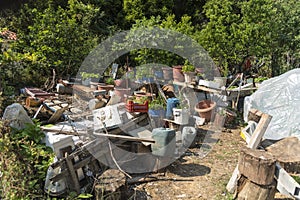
(111, 185)
(257, 169)
(253, 144)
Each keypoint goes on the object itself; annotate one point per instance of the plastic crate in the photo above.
(135, 107)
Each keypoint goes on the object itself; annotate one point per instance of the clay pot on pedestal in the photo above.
(177, 74)
(205, 109)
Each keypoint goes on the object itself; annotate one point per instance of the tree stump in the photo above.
(257, 169)
(248, 190)
(286, 152)
(111, 185)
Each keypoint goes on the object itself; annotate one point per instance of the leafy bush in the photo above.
(24, 162)
(187, 67)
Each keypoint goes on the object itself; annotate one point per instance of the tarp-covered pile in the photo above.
(280, 98)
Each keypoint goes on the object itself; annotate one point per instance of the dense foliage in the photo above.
(56, 34)
(24, 162)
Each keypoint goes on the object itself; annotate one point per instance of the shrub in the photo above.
(24, 161)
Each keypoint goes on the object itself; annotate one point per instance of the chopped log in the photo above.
(110, 185)
(253, 144)
(250, 191)
(257, 165)
(286, 152)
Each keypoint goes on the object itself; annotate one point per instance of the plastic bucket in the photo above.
(181, 116)
(165, 142)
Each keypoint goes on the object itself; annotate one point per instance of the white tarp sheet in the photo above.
(279, 97)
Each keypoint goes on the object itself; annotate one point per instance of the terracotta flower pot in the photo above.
(205, 109)
(167, 73)
(121, 82)
(189, 76)
(103, 86)
(177, 74)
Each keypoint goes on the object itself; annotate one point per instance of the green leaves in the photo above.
(26, 162)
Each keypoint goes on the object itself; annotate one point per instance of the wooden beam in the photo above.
(73, 175)
(76, 166)
(124, 137)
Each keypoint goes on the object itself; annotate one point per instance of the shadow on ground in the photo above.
(189, 169)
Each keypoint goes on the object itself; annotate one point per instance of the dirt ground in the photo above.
(196, 177)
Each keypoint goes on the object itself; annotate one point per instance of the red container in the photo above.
(135, 107)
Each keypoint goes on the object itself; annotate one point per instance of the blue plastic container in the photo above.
(165, 142)
(157, 113)
(171, 103)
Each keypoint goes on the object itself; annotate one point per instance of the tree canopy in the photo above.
(57, 34)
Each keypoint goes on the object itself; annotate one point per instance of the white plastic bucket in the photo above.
(181, 116)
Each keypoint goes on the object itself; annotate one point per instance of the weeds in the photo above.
(24, 162)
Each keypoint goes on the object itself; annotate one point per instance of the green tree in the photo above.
(221, 35)
(148, 55)
(138, 9)
(60, 38)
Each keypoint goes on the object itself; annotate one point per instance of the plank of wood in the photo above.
(58, 113)
(253, 144)
(73, 175)
(259, 131)
(76, 166)
(124, 137)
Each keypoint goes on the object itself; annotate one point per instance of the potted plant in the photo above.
(222, 80)
(188, 71)
(108, 85)
(137, 105)
(87, 77)
(178, 74)
(157, 107)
